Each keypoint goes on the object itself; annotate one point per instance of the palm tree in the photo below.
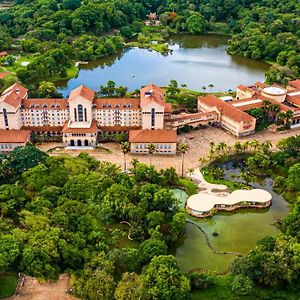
(281, 118)
(211, 150)
(151, 150)
(204, 88)
(183, 148)
(288, 117)
(125, 146)
(254, 144)
(134, 163)
(211, 86)
(238, 147)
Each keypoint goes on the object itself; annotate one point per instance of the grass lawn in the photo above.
(189, 186)
(232, 186)
(222, 291)
(8, 283)
(18, 63)
(72, 72)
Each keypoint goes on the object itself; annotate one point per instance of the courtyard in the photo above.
(198, 141)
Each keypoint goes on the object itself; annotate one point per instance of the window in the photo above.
(85, 115)
(75, 115)
(153, 117)
(80, 113)
(5, 117)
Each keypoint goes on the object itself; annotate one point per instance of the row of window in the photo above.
(157, 146)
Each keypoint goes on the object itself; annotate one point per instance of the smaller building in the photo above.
(165, 141)
(79, 136)
(230, 118)
(10, 139)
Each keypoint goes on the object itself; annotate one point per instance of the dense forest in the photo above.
(56, 33)
(88, 218)
(111, 230)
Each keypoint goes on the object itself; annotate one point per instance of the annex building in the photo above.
(81, 118)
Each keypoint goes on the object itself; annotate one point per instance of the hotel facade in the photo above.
(80, 119)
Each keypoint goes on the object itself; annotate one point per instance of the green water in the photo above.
(181, 195)
(237, 231)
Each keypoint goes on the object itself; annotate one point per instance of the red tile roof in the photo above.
(118, 128)
(14, 136)
(294, 100)
(191, 116)
(123, 103)
(294, 83)
(43, 128)
(54, 104)
(91, 129)
(242, 88)
(151, 93)
(260, 84)
(153, 136)
(82, 91)
(226, 109)
(14, 95)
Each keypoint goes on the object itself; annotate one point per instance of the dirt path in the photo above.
(199, 142)
(33, 290)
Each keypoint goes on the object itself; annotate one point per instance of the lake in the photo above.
(237, 231)
(196, 61)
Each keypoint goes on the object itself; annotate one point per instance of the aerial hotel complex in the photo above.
(79, 119)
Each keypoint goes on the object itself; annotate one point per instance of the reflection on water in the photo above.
(196, 61)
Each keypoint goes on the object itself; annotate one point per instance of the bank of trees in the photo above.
(63, 214)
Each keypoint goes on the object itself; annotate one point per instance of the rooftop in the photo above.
(227, 109)
(153, 136)
(14, 136)
(274, 90)
(117, 103)
(14, 95)
(92, 128)
(205, 202)
(82, 91)
(52, 104)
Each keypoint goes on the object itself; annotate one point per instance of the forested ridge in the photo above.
(57, 32)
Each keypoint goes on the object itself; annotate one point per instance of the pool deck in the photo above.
(216, 196)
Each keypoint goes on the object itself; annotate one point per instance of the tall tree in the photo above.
(125, 146)
(151, 150)
(183, 148)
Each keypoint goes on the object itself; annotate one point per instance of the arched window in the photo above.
(80, 113)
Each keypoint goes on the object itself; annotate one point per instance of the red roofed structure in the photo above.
(82, 91)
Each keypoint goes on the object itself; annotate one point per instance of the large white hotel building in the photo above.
(79, 119)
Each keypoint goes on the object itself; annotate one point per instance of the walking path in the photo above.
(215, 196)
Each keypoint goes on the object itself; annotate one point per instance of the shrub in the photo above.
(242, 285)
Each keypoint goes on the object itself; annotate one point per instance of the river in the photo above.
(196, 61)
